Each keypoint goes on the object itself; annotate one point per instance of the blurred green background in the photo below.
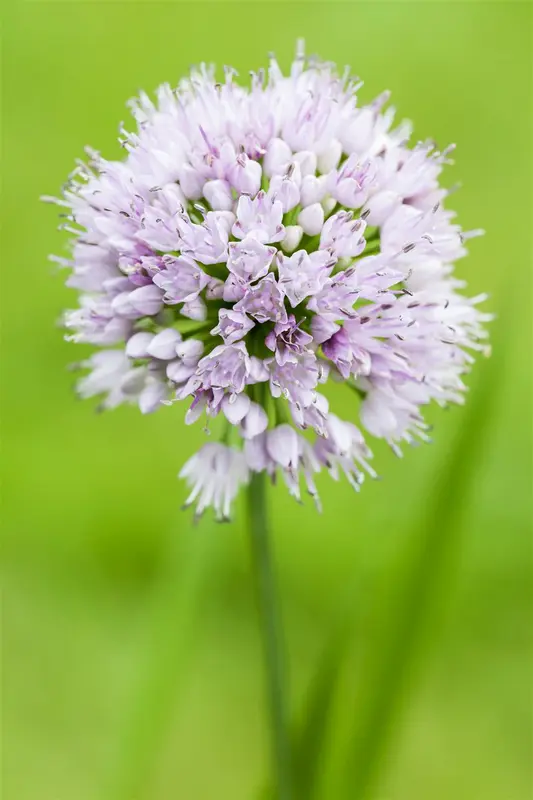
(130, 645)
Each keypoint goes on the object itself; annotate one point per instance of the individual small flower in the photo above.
(145, 301)
(288, 341)
(311, 219)
(277, 157)
(313, 190)
(347, 355)
(163, 344)
(350, 185)
(215, 475)
(95, 322)
(181, 279)
(343, 235)
(254, 422)
(218, 195)
(154, 392)
(304, 274)
(260, 218)
(264, 301)
(232, 325)
(296, 379)
(208, 242)
(286, 188)
(282, 449)
(292, 238)
(225, 367)
(245, 175)
(344, 447)
(249, 259)
(108, 368)
(137, 345)
(255, 243)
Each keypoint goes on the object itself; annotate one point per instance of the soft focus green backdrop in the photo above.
(130, 644)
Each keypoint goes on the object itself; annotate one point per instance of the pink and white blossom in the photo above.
(255, 242)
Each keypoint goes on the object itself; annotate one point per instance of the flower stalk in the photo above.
(276, 684)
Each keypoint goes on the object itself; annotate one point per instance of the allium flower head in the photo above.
(254, 242)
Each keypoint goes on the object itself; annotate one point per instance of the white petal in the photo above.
(163, 345)
(311, 219)
(328, 159)
(255, 421)
(146, 299)
(235, 407)
(292, 238)
(178, 372)
(328, 204)
(313, 189)
(258, 370)
(277, 156)
(255, 453)
(151, 396)
(307, 161)
(133, 381)
(282, 445)
(190, 349)
(137, 345)
(196, 411)
(218, 195)
(381, 206)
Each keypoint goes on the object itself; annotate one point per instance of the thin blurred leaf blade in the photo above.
(413, 598)
(310, 738)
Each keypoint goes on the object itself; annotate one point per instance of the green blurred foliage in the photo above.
(130, 644)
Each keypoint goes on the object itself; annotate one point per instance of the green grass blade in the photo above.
(311, 736)
(413, 599)
(310, 733)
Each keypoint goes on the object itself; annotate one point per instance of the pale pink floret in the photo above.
(215, 474)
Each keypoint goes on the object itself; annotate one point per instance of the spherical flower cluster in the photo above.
(254, 243)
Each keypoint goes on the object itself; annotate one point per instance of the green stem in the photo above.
(272, 636)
